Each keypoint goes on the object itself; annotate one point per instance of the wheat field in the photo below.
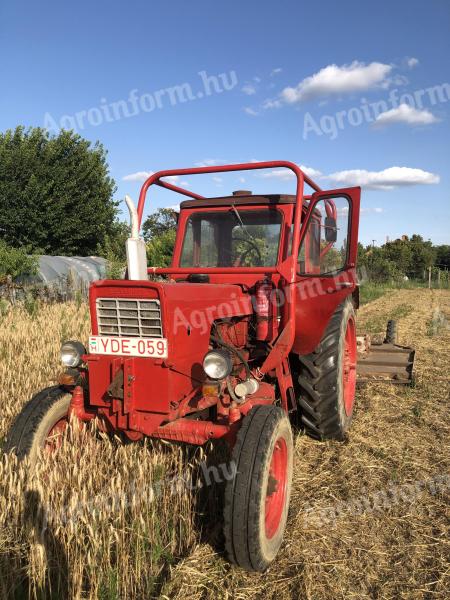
(100, 519)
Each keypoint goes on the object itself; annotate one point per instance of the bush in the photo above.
(160, 249)
(15, 262)
(382, 270)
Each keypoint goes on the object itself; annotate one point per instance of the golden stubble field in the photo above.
(369, 517)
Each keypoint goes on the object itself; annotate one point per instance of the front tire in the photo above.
(257, 498)
(327, 378)
(40, 424)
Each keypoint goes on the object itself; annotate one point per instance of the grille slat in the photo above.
(129, 317)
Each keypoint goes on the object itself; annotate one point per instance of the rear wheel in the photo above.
(40, 425)
(257, 498)
(327, 378)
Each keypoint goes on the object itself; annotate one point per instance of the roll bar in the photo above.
(302, 178)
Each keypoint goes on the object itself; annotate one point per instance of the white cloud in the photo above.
(275, 71)
(138, 176)
(282, 174)
(406, 114)
(241, 179)
(175, 207)
(287, 174)
(335, 80)
(251, 111)
(272, 103)
(249, 89)
(368, 209)
(394, 80)
(387, 179)
(210, 162)
(412, 62)
(218, 180)
(310, 171)
(143, 175)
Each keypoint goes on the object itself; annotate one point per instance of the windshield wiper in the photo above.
(241, 223)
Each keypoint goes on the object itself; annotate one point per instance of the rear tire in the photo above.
(257, 498)
(327, 378)
(40, 423)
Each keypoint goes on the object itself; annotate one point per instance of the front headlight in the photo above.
(71, 353)
(217, 364)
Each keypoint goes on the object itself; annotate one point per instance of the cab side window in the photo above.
(325, 246)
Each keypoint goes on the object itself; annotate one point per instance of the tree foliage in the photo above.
(443, 256)
(159, 231)
(159, 222)
(406, 258)
(15, 262)
(55, 192)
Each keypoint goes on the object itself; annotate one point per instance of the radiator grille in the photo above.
(129, 318)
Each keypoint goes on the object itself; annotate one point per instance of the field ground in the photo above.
(369, 517)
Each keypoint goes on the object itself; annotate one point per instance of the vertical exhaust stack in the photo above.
(135, 246)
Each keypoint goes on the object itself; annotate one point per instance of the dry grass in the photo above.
(123, 543)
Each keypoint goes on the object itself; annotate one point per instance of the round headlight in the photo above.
(71, 353)
(217, 364)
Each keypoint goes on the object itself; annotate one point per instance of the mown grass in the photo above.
(377, 323)
(108, 537)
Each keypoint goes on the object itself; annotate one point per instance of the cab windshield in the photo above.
(234, 238)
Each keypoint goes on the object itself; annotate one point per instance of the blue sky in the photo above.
(299, 82)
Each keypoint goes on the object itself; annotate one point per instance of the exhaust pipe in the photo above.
(135, 246)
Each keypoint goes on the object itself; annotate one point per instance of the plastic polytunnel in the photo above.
(67, 271)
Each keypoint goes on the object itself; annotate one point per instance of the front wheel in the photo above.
(257, 498)
(40, 424)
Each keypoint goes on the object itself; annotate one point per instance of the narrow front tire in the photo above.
(257, 498)
(40, 424)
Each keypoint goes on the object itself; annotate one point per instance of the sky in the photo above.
(356, 92)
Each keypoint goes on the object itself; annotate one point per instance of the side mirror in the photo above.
(330, 230)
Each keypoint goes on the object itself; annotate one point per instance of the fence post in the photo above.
(429, 278)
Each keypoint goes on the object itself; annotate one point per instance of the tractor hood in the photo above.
(183, 317)
(186, 308)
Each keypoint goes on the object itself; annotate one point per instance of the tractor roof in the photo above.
(239, 199)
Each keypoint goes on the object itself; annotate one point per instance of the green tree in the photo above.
(160, 249)
(159, 231)
(55, 192)
(443, 256)
(159, 222)
(422, 256)
(381, 269)
(400, 253)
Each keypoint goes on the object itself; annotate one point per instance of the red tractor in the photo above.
(251, 329)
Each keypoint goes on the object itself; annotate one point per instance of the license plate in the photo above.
(133, 346)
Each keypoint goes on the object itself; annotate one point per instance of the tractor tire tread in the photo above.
(317, 380)
(19, 438)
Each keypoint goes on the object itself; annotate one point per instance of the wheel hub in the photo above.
(276, 488)
(55, 436)
(349, 367)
